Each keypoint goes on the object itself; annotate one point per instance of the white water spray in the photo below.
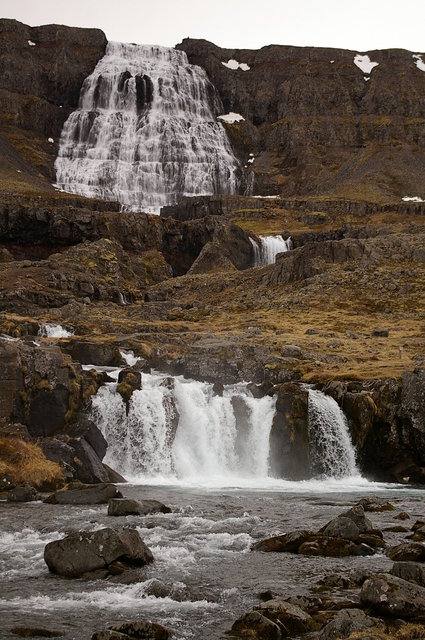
(178, 428)
(48, 330)
(332, 452)
(269, 247)
(146, 132)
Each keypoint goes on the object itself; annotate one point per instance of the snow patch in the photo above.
(231, 117)
(419, 62)
(234, 65)
(412, 199)
(31, 43)
(364, 63)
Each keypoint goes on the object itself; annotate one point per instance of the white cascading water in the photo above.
(48, 330)
(332, 452)
(269, 247)
(180, 429)
(146, 132)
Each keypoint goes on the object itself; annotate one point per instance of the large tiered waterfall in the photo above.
(176, 429)
(331, 449)
(146, 132)
(269, 247)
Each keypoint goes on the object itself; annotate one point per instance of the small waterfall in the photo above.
(178, 428)
(48, 330)
(269, 247)
(146, 132)
(332, 452)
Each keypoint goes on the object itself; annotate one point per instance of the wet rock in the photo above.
(410, 571)
(113, 476)
(289, 542)
(129, 380)
(407, 551)
(398, 528)
(374, 503)
(125, 507)
(6, 482)
(392, 596)
(363, 550)
(418, 524)
(255, 626)
(78, 493)
(342, 527)
(288, 616)
(289, 436)
(327, 546)
(23, 494)
(403, 515)
(419, 535)
(87, 551)
(137, 630)
(346, 622)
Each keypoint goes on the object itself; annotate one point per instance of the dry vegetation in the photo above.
(27, 464)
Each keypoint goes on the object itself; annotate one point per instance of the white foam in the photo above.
(48, 330)
(231, 117)
(23, 550)
(31, 43)
(366, 78)
(50, 140)
(364, 63)
(419, 62)
(234, 65)
(129, 358)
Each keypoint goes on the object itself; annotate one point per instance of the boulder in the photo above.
(375, 504)
(291, 351)
(342, 527)
(129, 380)
(326, 546)
(126, 507)
(36, 632)
(23, 494)
(288, 616)
(143, 630)
(407, 551)
(410, 571)
(419, 535)
(78, 493)
(391, 596)
(256, 626)
(212, 259)
(289, 542)
(82, 552)
(346, 622)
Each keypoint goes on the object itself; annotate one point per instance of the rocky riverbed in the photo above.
(205, 574)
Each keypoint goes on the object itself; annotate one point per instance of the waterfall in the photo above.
(146, 132)
(331, 449)
(269, 247)
(48, 330)
(178, 428)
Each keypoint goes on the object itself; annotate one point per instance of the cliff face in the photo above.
(318, 124)
(41, 73)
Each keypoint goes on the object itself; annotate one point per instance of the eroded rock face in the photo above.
(86, 551)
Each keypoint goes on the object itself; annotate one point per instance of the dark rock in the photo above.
(256, 626)
(288, 616)
(36, 632)
(88, 466)
(212, 259)
(402, 516)
(87, 551)
(347, 622)
(380, 333)
(291, 351)
(392, 596)
(374, 503)
(113, 476)
(23, 494)
(124, 507)
(342, 527)
(78, 493)
(129, 381)
(410, 571)
(137, 630)
(407, 551)
(289, 542)
(289, 436)
(327, 546)
(419, 535)
(363, 550)
(397, 529)
(6, 482)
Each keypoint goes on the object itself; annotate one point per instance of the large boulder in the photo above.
(349, 524)
(288, 616)
(289, 436)
(391, 596)
(289, 542)
(407, 551)
(82, 552)
(410, 571)
(78, 493)
(327, 546)
(346, 622)
(255, 626)
(212, 259)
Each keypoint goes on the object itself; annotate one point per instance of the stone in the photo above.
(356, 514)
(342, 527)
(380, 333)
(78, 493)
(291, 351)
(22, 494)
(403, 515)
(126, 507)
(391, 596)
(363, 550)
(129, 381)
(410, 571)
(143, 630)
(327, 546)
(289, 616)
(289, 542)
(256, 626)
(407, 551)
(36, 632)
(374, 503)
(6, 482)
(346, 622)
(87, 551)
(419, 535)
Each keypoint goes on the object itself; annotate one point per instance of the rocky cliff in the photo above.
(316, 123)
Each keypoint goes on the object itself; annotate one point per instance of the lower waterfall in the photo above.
(332, 452)
(269, 247)
(175, 429)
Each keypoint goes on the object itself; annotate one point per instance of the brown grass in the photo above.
(26, 463)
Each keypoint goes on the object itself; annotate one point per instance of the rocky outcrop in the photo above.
(83, 552)
(316, 123)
